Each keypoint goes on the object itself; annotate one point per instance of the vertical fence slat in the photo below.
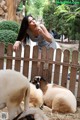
(9, 54)
(57, 67)
(34, 70)
(26, 63)
(50, 53)
(78, 92)
(18, 62)
(2, 49)
(73, 71)
(44, 65)
(65, 68)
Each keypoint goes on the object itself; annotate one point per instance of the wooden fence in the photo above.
(52, 70)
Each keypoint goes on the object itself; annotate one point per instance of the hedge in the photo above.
(7, 36)
(9, 25)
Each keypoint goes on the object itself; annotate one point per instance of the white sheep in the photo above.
(36, 96)
(13, 88)
(33, 114)
(58, 98)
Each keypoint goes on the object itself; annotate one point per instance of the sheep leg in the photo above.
(12, 110)
(12, 113)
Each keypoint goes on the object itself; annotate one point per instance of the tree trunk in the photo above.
(11, 5)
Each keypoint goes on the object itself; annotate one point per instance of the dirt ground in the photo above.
(47, 111)
(59, 116)
(52, 116)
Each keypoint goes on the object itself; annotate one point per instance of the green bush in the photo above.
(7, 36)
(9, 25)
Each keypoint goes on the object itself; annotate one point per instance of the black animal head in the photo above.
(37, 81)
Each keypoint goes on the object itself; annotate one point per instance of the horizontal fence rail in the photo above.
(53, 65)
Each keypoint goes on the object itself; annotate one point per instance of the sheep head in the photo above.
(38, 81)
